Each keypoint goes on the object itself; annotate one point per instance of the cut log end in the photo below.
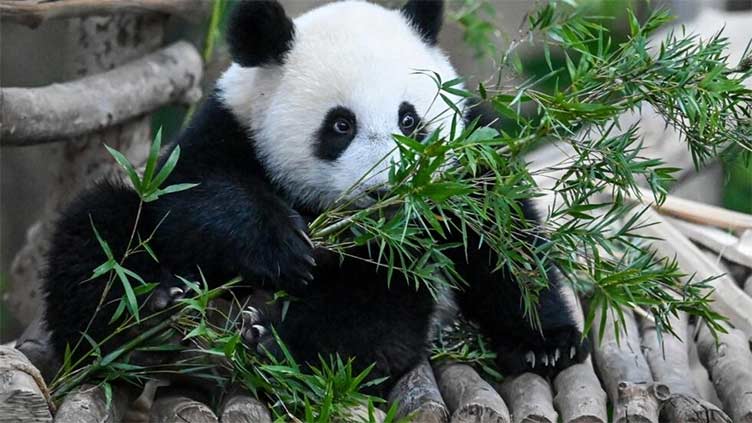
(22, 391)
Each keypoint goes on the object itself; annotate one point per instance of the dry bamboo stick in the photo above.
(730, 367)
(700, 375)
(624, 371)
(728, 299)
(529, 398)
(579, 396)
(468, 396)
(705, 214)
(418, 396)
(33, 12)
(23, 394)
(669, 363)
(359, 414)
(88, 404)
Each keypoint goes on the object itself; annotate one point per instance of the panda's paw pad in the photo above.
(253, 327)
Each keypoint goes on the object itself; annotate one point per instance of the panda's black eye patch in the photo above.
(409, 120)
(336, 132)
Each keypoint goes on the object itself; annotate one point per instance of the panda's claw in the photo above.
(306, 238)
(557, 354)
(259, 331)
(572, 352)
(530, 358)
(310, 260)
(545, 360)
(176, 292)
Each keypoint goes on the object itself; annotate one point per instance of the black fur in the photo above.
(427, 17)
(237, 222)
(259, 33)
(330, 144)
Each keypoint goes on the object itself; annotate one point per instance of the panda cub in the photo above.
(306, 108)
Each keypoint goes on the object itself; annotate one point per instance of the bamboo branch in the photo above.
(59, 111)
(470, 398)
(729, 363)
(728, 299)
(32, 13)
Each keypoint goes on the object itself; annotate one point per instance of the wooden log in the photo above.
(33, 12)
(728, 299)
(243, 408)
(360, 413)
(748, 286)
(418, 396)
(700, 375)
(730, 366)
(669, 363)
(177, 408)
(726, 245)
(34, 343)
(23, 393)
(704, 214)
(468, 396)
(529, 397)
(88, 404)
(59, 111)
(579, 396)
(624, 370)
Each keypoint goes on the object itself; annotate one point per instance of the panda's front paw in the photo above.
(545, 355)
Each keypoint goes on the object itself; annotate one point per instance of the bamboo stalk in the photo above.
(88, 404)
(23, 394)
(579, 396)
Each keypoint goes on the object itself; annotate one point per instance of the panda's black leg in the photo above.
(494, 301)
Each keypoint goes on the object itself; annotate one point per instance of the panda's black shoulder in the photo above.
(214, 141)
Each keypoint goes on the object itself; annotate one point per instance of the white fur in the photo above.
(352, 54)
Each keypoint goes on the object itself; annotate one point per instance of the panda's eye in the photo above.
(342, 126)
(407, 122)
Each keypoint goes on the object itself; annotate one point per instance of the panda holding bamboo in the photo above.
(307, 107)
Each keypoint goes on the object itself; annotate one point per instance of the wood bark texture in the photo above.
(529, 398)
(579, 395)
(243, 408)
(419, 397)
(669, 363)
(34, 12)
(23, 393)
(101, 44)
(59, 111)
(623, 369)
(88, 404)
(469, 397)
(176, 408)
(730, 366)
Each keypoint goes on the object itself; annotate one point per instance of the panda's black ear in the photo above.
(259, 33)
(427, 17)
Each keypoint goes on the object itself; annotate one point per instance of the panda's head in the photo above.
(323, 94)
